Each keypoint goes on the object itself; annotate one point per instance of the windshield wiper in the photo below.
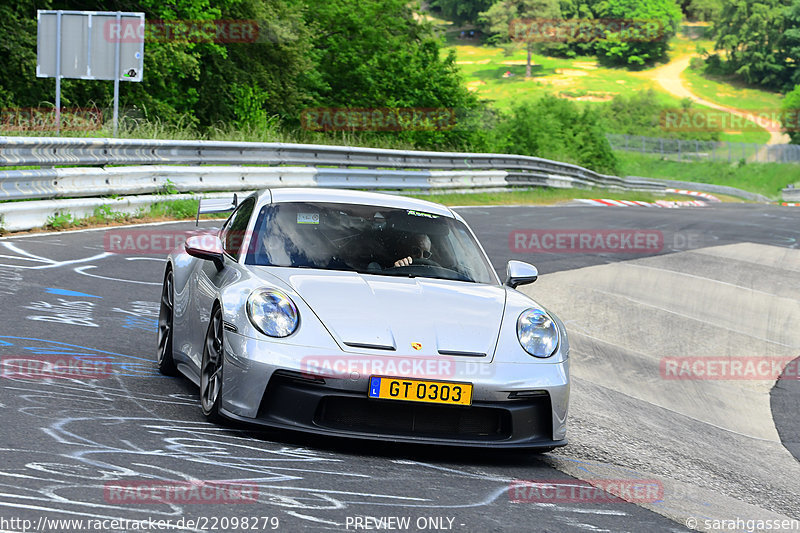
(384, 273)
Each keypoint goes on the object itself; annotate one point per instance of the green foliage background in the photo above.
(380, 53)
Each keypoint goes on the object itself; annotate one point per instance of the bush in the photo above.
(790, 115)
(557, 129)
(641, 114)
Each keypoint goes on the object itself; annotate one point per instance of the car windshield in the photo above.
(367, 239)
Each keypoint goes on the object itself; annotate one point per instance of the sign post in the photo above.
(90, 45)
(58, 74)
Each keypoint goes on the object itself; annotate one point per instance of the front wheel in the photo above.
(211, 368)
(166, 322)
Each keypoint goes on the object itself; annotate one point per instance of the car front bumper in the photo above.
(514, 406)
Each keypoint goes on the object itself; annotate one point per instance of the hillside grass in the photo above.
(581, 79)
(762, 178)
(585, 81)
(729, 92)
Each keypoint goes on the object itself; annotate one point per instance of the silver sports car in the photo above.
(362, 315)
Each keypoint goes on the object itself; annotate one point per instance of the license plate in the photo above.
(414, 390)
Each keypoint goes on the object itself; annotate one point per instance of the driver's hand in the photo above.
(404, 262)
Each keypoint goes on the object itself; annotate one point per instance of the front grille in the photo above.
(412, 419)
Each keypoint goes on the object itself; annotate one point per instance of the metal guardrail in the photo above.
(791, 194)
(143, 167)
(115, 181)
(54, 151)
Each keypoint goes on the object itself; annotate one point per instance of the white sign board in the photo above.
(88, 43)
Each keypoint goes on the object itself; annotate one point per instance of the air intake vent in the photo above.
(299, 376)
(402, 418)
(370, 346)
(461, 354)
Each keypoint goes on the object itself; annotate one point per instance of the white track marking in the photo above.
(81, 270)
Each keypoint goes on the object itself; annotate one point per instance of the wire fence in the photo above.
(688, 150)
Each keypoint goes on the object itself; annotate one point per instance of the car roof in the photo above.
(343, 196)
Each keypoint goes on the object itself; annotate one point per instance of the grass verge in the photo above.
(106, 216)
(763, 178)
(539, 196)
(169, 210)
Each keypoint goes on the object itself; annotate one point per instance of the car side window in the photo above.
(233, 233)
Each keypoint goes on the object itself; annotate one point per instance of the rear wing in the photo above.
(215, 205)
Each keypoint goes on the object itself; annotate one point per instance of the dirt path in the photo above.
(669, 76)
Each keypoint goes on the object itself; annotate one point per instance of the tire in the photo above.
(211, 368)
(166, 324)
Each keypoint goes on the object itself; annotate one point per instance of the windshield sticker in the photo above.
(308, 218)
(421, 214)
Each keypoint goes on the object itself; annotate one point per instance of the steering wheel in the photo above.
(424, 262)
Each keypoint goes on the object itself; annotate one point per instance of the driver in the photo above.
(419, 247)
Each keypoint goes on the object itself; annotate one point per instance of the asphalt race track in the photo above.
(721, 283)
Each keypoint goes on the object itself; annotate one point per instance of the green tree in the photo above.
(19, 85)
(641, 43)
(461, 11)
(515, 24)
(376, 54)
(790, 48)
(273, 75)
(751, 33)
(705, 10)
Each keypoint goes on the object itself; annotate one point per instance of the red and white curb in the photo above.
(709, 197)
(616, 203)
(789, 204)
(602, 202)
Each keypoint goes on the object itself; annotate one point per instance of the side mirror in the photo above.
(519, 273)
(207, 247)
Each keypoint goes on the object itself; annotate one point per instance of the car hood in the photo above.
(394, 315)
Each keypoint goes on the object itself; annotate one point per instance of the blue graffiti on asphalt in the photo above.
(123, 365)
(64, 292)
(147, 324)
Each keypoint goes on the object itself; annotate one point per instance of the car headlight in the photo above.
(537, 333)
(272, 312)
